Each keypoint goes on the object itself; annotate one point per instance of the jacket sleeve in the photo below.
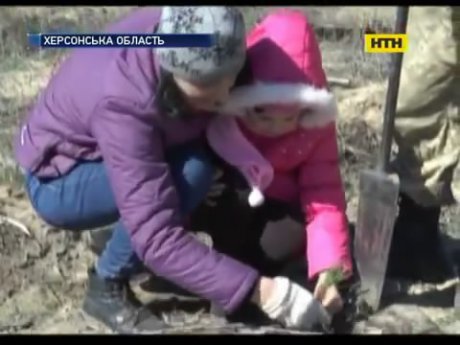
(323, 201)
(132, 150)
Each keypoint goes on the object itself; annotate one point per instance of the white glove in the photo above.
(294, 306)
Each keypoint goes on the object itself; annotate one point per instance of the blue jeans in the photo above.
(83, 200)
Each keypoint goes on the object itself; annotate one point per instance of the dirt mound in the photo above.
(42, 272)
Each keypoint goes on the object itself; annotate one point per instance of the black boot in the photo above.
(113, 303)
(416, 251)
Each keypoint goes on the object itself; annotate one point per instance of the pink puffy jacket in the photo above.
(303, 166)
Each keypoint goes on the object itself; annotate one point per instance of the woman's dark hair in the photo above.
(245, 76)
(171, 101)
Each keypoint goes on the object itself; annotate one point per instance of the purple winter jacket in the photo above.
(100, 104)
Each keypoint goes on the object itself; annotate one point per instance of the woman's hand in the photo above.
(328, 293)
(290, 304)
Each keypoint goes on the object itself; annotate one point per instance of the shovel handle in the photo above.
(402, 15)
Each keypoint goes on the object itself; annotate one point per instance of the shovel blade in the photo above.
(377, 212)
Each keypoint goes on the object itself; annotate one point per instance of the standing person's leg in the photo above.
(83, 199)
(428, 138)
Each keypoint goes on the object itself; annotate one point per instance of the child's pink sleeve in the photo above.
(323, 201)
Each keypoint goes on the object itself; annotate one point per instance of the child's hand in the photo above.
(327, 293)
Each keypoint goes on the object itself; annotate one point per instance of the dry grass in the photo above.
(25, 70)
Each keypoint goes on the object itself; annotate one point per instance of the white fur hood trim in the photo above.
(321, 102)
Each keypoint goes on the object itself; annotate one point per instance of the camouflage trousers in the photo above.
(427, 119)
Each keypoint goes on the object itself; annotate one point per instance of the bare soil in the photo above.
(43, 274)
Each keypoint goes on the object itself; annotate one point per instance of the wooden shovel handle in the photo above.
(392, 94)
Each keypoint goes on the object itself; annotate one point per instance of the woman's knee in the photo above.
(193, 172)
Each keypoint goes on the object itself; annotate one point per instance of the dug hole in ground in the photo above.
(43, 273)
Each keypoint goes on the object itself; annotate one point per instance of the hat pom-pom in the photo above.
(256, 198)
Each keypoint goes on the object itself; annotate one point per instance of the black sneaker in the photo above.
(113, 303)
(416, 251)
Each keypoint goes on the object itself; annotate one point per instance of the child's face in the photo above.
(272, 121)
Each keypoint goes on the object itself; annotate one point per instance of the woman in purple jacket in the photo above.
(116, 138)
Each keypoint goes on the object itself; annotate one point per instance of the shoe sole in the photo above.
(92, 311)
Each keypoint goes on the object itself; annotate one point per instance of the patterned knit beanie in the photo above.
(204, 65)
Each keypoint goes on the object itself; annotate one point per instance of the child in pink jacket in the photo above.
(280, 133)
